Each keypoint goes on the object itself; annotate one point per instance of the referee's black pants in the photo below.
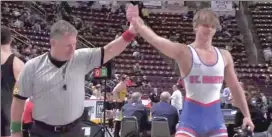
(77, 131)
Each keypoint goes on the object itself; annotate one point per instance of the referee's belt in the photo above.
(59, 128)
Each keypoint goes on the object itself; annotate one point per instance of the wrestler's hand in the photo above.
(247, 122)
(18, 134)
(132, 11)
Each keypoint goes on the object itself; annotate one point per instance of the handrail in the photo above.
(19, 34)
(20, 40)
(86, 41)
(83, 44)
(37, 8)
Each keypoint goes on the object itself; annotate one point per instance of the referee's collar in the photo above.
(55, 62)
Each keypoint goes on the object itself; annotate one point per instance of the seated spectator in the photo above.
(134, 44)
(138, 82)
(137, 69)
(137, 55)
(165, 109)
(135, 108)
(146, 82)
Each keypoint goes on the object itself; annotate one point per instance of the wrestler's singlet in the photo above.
(201, 114)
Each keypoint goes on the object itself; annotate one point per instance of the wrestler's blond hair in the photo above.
(206, 16)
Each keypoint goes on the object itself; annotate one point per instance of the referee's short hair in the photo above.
(6, 36)
(61, 28)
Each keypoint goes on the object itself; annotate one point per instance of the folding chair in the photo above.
(129, 124)
(160, 127)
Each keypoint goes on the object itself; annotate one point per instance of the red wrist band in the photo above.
(128, 36)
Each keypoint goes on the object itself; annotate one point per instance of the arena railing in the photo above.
(85, 42)
(35, 7)
(19, 34)
(22, 41)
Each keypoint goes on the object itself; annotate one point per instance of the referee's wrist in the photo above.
(15, 127)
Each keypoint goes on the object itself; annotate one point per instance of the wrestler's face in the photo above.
(205, 31)
(205, 23)
(64, 46)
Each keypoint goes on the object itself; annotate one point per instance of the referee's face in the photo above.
(65, 46)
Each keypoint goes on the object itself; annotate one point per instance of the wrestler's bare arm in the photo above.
(167, 47)
(18, 66)
(232, 82)
(17, 106)
(116, 46)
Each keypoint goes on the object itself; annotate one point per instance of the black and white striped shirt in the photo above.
(54, 104)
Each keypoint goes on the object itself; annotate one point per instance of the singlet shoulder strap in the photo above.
(10, 59)
(220, 55)
(194, 54)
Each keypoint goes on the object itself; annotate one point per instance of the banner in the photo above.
(175, 4)
(152, 4)
(95, 107)
(221, 5)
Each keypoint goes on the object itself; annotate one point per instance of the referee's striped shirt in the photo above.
(41, 79)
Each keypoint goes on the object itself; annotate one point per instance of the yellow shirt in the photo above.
(123, 94)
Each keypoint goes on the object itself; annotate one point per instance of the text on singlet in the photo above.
(198, 79)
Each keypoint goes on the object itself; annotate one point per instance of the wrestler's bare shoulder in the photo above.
(226, 55)
(184, 50)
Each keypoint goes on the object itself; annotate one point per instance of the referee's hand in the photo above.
(18, 134)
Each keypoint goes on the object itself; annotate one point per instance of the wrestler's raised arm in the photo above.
(167, 47)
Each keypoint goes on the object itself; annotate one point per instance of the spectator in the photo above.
(134, 44)
(154, 96)
(139, 82)
(137, 109)
(267, 53)
(146, 82)
(264, 99)
(177, 99)
(18, 24)
(37, 26)
(257, 116)
(226, 98)
(137, 55)
(137, 69)
(128, 82)
(165, 109)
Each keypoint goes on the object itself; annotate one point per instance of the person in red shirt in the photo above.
(27, 118)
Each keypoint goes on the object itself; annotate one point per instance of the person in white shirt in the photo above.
(177, 99)
(225, 97)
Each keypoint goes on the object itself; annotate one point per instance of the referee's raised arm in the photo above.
(95, 57)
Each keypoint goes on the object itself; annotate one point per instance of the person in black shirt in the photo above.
(257, 116)
(154, 96)
(11, 67)
(109, 106)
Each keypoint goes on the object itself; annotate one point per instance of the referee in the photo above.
(11, 66)
(55, 80)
